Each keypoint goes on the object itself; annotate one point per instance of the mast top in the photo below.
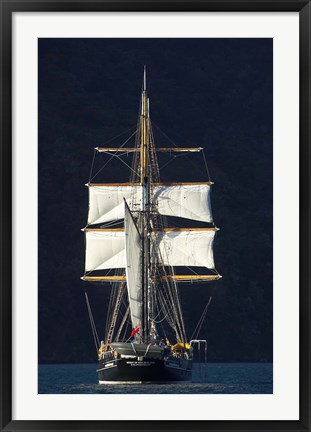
(145, 79)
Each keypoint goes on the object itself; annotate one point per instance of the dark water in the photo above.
(221, 378)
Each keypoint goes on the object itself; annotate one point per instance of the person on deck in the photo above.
(133, 333)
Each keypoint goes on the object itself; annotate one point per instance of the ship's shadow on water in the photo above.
(207, 378)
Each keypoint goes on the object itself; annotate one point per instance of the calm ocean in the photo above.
(207, 378)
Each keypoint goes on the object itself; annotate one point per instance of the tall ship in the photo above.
(135, 243)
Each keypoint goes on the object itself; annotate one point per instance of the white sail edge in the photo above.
(189, 201)
(105, 249)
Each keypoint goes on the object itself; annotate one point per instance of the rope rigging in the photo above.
(196, 332)
(112, 156)
(93, 327)
(164, 294)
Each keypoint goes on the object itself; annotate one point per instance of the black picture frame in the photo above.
(8, 7)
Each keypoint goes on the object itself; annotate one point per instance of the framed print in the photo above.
(155, 215)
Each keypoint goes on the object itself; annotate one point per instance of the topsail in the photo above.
(184, 200)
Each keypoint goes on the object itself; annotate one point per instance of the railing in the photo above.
(201, 368)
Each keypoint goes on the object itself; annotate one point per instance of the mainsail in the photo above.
(118, 248)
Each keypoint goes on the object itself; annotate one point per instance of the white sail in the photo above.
(133, 267)
(104, 250)
(106, 202)
(186, 247)
(190, 201)
(172, 247)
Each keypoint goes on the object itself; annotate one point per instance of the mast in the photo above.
(151, 281)
(144, 140)
(145, 205)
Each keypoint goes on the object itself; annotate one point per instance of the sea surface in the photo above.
(212, 378)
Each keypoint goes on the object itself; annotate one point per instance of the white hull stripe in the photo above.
(120, 382)
(179, 368)
(105, 368)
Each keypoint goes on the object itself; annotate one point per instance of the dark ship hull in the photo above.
(154, 367)
(125, 371)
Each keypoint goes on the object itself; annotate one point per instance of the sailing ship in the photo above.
(129, 233)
